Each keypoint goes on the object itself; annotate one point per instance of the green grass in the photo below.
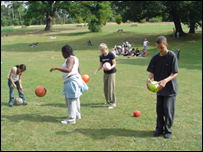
(37, 125)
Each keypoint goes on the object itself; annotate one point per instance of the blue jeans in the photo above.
(145, 47)
(11, 91)
(178, 56)
(142, 55)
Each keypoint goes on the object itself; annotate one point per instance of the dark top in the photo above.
(109, 59)
(162, 67)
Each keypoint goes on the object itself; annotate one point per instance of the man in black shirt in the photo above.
(163, 67)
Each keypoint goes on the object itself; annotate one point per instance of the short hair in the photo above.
(22, 66)
(67, 49)
(161, 39)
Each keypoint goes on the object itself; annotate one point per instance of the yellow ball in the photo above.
(154, 86)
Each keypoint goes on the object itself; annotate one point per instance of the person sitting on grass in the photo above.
(89, 43)
(144, 53)
(137, 52)
(14, 82)
(34, 44)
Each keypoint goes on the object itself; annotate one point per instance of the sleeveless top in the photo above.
(74, 70)
(15, 76)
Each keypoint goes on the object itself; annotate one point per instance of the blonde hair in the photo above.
(103, 46)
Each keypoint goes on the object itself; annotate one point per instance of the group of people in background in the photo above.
(126, 50)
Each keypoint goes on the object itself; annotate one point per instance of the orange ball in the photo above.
(85, 78)
(40, 91)
(137, 113)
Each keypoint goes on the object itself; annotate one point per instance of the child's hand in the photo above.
(107, 69)
(148, 82)
(54, 68)
(20, 89)
(14, 86)
(162, 84)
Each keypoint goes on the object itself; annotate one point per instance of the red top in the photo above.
(145, 53)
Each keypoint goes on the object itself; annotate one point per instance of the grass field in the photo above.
(37, 126)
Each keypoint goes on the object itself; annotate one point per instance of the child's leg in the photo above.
(111, 89)
(160, 114)
(78, 115)
(71, 103)
(169, 111)
(11, 92)
(106, 94)
(21, 94)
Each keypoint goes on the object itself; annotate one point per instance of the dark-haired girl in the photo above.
(14, 82)
(73, 84)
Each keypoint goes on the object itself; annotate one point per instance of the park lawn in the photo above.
(37, 125)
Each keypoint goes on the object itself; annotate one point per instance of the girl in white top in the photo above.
(14, 82)
(72, 84)
(145, 44)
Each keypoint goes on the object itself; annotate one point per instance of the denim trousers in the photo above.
(11, 91)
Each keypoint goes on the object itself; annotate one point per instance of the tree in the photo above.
(118, 19)
(48, 9)
(138, 10)
(98, 13)
(193, 16)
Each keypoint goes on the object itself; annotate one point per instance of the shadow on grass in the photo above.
(61, 105)
(32, 118)
(104, 133)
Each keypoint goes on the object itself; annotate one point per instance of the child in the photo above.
(145, 44)
(178, 53)
(109, 75)
(14, 81)
(73, 84)
(163, 67)
(144, 53)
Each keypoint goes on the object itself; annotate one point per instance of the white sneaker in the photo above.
(68, 122)
(112, 106)
(78, 117)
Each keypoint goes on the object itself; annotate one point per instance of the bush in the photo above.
(118, 19)
(142, 21)
(3, 21)
(15, 22)
(154, 20)
(69, 21)
(94, 27)
(79, 19)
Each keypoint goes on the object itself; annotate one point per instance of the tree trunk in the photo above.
(177, 24)
(49, 23)
(192, 28)
(12, 13)
(19, 16)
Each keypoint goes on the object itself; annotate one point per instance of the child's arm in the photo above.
(113, 66)
(69, 67)
(100, 66)
(150, 77)
(10, 77)
(163, 83)
(20, 85)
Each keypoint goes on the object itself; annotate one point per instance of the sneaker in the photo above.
(167, 135)
(67, 122)
(112, 106)
(157, 134)
(78, 117)
(10, 104)
(24, 103)
(106, 103)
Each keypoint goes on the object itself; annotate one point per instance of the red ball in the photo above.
(137, 113)
(85, 78)
(40, 91)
